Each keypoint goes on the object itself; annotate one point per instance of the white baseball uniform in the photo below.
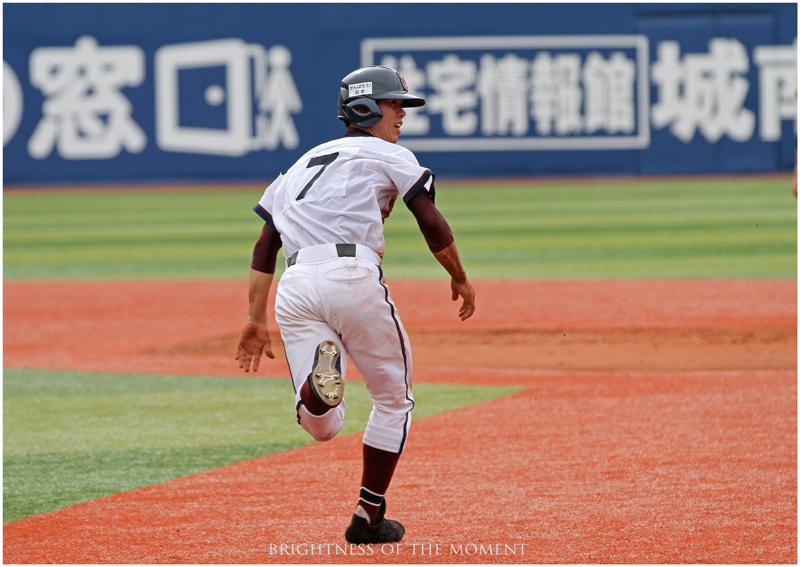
(333, 196)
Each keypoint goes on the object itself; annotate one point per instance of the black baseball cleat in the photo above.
(326, 378)
(385, 531)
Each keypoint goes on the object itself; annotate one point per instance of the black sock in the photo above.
(377, 472)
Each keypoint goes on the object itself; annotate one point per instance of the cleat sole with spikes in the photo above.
(326, 379)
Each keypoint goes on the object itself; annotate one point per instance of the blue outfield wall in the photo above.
(210, 92)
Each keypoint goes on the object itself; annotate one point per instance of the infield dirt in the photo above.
(658, 425)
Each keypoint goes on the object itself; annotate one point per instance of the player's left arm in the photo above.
(440, 240)
(254, 338)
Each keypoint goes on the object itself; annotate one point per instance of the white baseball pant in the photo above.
(345, 299)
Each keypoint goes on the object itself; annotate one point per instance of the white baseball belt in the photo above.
(325, 252)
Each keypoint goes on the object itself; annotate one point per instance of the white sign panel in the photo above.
(510, 93)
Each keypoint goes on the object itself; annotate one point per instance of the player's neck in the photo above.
(355, 131)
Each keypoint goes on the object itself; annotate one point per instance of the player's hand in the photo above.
(465, 291)
(253, 341)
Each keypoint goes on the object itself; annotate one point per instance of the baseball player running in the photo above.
(327, 212)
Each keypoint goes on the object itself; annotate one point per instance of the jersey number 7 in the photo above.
(324, 161)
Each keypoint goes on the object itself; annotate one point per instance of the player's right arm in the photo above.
(440, 240)
(254, 338)
(459, 284)
(415, 184)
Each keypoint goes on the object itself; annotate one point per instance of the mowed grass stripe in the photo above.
(724, 228)
(20, 382)
(69, 437)
(130, 234)
(653, 229)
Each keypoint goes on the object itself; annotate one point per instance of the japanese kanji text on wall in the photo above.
(611, 88)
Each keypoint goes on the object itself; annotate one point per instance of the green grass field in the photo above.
(704, 228)
(70, 437)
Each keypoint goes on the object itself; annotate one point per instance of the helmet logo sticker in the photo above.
(402, 80)
(360, 89)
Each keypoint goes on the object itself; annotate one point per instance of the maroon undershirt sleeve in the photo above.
(265, 252)
(433, 225)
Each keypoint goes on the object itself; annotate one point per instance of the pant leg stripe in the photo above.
(403, 350)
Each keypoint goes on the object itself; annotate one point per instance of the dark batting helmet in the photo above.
(361, 88)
